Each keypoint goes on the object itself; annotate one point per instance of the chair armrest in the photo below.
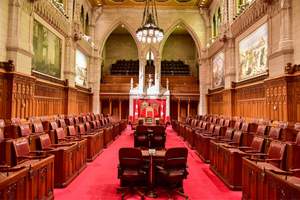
(245, 147)
(273, 160)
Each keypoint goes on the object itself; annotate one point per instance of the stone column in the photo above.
(229, 63)
(142, 75)
(95, 73)
(203, 80)
(20, 54)
(120, 109)
(157, 73)
(70, 57)
(178, 109)
(285, 52)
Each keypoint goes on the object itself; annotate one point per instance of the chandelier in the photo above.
(149, 32)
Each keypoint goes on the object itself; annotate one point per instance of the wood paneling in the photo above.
(250, 101)
(276, 99)
(24, 96)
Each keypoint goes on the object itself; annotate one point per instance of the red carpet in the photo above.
(99, 180)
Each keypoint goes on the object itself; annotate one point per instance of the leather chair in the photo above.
(173, 170)
(131, 171)
(256, 145)
(158, 138)
(141, 138)
(22, 151)
(274, 156)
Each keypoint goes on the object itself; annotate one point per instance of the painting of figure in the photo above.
(47, 51)
(81, 69)
(253, 52)
(218, 70)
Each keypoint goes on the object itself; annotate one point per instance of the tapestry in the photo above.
(253, 52)
(218, 70)
(81, 69)
(47, 51)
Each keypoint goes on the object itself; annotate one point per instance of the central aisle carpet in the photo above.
(99, 180)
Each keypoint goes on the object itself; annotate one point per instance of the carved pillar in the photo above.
(120, 109)
(188, 108)
(157, 73)
(100, 106)
(178, 109)
(142, 75)
(110, 106)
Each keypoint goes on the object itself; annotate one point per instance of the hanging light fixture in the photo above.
(149, 32)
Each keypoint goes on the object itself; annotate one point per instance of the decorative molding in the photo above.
(53, 16)
(48, 78)
(248, 81)
(211, 91)
(291, 69)
(252, 14)
(8, 66)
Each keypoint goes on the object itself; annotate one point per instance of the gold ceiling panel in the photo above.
(160, 3)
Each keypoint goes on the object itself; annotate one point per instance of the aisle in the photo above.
(99, 180)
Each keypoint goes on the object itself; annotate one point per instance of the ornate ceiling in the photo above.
(160, 3)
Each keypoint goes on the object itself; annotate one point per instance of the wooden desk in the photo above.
(158, 154)
(281, 186)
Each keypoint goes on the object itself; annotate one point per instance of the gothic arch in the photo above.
(189, 29)
(112, 28)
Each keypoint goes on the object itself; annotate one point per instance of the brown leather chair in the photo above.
(275, 154)
(256, 145)
(158, 138)
(173, 170)
(141, 138)
(131, 171)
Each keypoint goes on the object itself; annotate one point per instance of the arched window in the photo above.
(82, 17)
(87, 24)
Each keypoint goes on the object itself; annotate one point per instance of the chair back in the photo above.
(60, 133)
(53, 125)
(21, 147)
(229, 133)
(45, 141)
(140, 129)
(130, 158)
(24, 130)
(72, 131)
(276, 151)
(176, 158)
(261, 129)
(297, 142)
(238, 125)
(274, 133)
(38, 127)
(257, 143)
(237, 137)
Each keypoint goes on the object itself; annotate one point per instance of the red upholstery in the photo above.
(53, 125)
(81, 129)
(257, 143)
(72, 131)
(261, 130)
(24, 130)
(45, 141)
(274, 133)
(60, 133)
(38, 127)
(21, 147)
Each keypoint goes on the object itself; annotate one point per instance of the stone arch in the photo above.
(112, 28)
(189, 29)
